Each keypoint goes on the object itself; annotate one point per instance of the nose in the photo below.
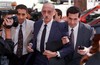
(72, 21)
(46, 14)
(20, 16)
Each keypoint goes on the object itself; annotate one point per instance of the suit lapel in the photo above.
(28, 30)
(79, 36)
(37, 27)
(52, 31)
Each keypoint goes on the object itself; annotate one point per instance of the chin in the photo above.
(47, 20)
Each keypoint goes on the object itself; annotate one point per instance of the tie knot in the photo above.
(20, 26)
(72, 29)
(45, 25)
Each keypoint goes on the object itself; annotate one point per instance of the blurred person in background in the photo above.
(58, 15)
(14, 4)
(30, 10)
(34, 15)
(64, 18)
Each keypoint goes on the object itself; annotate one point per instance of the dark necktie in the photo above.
(72, 37)
(20, 42)
(43, 39)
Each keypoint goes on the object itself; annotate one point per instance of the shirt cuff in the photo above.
(58, 54)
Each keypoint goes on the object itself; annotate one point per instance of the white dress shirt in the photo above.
(75, 33)
(40, 34)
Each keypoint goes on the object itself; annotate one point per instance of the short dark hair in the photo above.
(59, 12)
(21, 6)
(73, 10)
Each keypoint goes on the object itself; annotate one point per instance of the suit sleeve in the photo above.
(6, 46)
(9, 45)
(67, 48)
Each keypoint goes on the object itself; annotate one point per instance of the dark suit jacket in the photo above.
(54, 43)
(85, 33)
(6, 46)
(94, 60)
(6, 49)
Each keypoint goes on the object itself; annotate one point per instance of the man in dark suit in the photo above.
(53, 49)
(82, 34)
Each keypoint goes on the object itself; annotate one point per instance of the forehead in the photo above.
(48, 7)
(21, 11)
(76, 15)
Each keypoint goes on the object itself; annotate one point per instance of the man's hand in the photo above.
(49, 54)
(83, 51)
(65, 40)
(29, 48)
(8, 22)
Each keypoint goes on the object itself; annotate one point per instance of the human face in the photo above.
(57, 18)
(73, 19)
(8, 16)
(22, 14)
(48, 12)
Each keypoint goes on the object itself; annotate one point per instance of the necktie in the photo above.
(43, 39)
(20, 42)
(72, 37)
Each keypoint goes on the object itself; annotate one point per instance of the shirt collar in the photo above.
(75, 28)
(23, 24)
(49, 23)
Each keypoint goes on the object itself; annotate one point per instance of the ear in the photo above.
(60, 16)
(27, 14)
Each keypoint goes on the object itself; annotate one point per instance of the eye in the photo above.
(75, 18)
(70, 18)
(23, 14)
(49, 12)
(43, 11)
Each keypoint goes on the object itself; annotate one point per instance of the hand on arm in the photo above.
(29, 47)
(65, 40)
(49, 54)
